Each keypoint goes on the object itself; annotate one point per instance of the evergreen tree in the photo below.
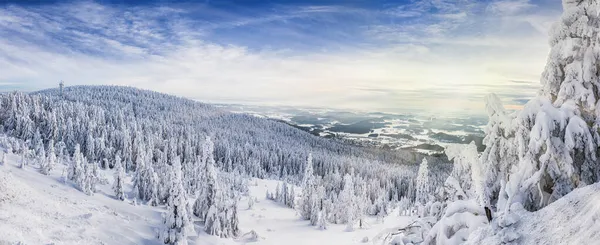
(251, 202)
(23, 161)
(291, 199)
(422, 182)
(75, 166)
(119, 178)
(38, 147)
(308, 187)
(177, 220)
(90, 149)
(50, 161)
(346, 203)
(86, 180)
(208, 184)
(213, 198)
(322, 222)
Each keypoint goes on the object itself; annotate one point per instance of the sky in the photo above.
(441, 56)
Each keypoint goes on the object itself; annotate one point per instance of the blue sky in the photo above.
(434, 55)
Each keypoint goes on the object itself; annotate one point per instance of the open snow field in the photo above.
(40, 209)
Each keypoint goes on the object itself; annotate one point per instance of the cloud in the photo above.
(509, 7)
(425, 54)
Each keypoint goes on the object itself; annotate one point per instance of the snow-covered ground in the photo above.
(278, 224)
(572, 219)
(40, 209)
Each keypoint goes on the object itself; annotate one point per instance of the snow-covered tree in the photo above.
(38, 147)
(119, 179)
(316, 204)
(466, 175)
(347, 203)
(208, 184)
(88, 179)
(278, 195)
(460, 219)
(212, 223)
(177, 219)
(291, 198)
(284, 194)
(422, 183)
(90, 147)
(251, 201)
(459, 211)
(308, 187)
(50, 161)
(501, 152)
(361, 201)
(23, 161)
(75, 167)
(145, 179)
(322, 222)
(221, 218)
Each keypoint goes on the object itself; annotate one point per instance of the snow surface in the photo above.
(40, 209)
(572, 219)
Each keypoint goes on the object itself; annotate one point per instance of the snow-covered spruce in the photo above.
(119, 178)
(422, 182)
(177, 220)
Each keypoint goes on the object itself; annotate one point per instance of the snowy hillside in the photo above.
(39, 209)
(197, 161)
(573, 219)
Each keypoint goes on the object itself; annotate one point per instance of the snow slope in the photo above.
(40, 209)
(572, 219)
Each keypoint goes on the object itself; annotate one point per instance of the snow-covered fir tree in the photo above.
(308, 187)
(177, 219)
(23, 160)
(322, 222)
(119, 179)
(50, 161)
(88, 179)
(145, 178)
(251, 202)
(75, 166)
(291, 197)
(422, 183)
(284, 194)
(346, 203)
(208, 184)
(221, 218)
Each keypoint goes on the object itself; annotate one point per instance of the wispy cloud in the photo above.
(420, 54)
